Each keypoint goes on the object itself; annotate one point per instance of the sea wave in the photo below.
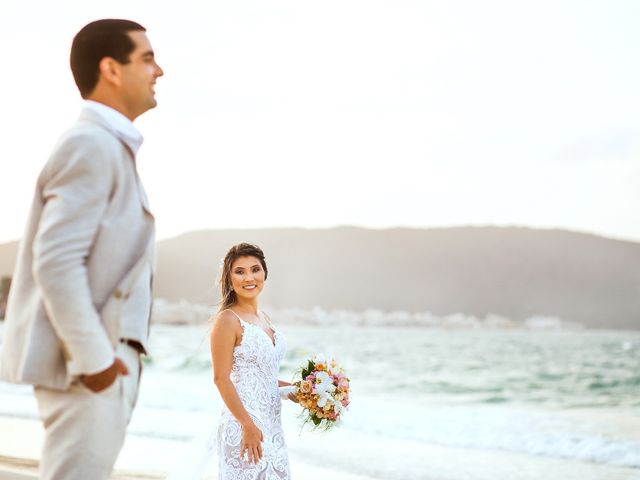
(512, 429)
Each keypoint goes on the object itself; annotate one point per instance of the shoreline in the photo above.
(15, 468)
(20, 451)
(347, 454)
(312, 457)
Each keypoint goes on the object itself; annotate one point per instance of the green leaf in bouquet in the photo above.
(316, 420)
(307, 371)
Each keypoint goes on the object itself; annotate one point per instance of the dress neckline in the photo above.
(273, 338)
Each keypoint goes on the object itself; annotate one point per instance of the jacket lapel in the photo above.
(88, 115)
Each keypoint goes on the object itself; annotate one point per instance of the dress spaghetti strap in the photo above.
(237, 316)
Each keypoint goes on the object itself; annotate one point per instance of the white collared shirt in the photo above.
(121, 124)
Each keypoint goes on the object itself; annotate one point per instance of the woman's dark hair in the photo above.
(99, 39)
(227, 294)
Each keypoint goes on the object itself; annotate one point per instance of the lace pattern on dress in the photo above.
(254, 373)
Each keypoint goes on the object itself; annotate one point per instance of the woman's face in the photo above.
(247, 277)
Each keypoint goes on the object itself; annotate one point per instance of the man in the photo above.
(79, 307)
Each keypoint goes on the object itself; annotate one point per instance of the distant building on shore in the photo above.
(5, 284)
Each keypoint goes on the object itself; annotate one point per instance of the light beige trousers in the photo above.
(84, 431)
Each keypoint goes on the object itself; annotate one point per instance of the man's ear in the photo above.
(109, 70)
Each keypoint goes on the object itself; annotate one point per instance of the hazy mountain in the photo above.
(515, 272)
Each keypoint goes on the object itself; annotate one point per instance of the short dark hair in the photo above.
(99, 39)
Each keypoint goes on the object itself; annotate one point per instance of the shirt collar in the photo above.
(121, 125)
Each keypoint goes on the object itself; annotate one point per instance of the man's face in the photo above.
(139, 76)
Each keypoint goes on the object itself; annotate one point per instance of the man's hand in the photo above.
(102, 380)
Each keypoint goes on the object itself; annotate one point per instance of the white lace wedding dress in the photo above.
(254, 373)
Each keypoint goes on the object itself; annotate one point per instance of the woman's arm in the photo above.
(223, 340)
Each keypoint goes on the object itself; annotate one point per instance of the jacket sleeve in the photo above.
(75, 187)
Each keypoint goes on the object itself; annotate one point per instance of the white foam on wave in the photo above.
(509, 428)
(17, 401)
(533, 431)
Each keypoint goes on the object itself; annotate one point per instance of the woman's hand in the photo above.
(290, 396)
(251, 443)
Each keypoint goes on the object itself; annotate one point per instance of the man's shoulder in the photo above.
(89, 141)
(90, 134)
(84, 147)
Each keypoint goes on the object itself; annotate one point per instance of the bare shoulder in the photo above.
(226, 320)
(226, 329)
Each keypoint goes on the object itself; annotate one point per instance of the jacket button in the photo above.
(117, 294)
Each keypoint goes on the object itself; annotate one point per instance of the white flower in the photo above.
(323, 398)
(324, 382)
(323, 387)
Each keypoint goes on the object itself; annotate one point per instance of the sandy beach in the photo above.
(21, 445)
(12, 468)
(27, 469)
(145, 458)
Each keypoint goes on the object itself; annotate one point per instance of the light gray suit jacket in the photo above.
(86, 241)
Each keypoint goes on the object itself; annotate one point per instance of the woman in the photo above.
(246, 352)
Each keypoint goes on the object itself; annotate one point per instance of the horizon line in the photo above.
(387, 228)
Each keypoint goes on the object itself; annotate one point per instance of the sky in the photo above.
(375, 113)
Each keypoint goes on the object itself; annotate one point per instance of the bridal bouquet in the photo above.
(322, 391)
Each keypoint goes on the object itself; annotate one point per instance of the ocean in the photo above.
(426, 403)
